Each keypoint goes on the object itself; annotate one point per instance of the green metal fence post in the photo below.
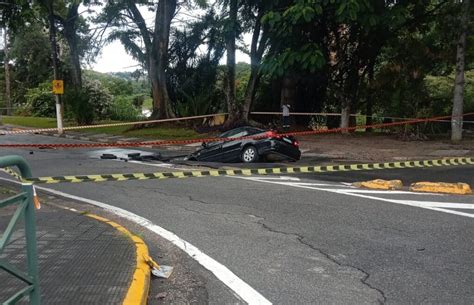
(30, 229)
(31, 250)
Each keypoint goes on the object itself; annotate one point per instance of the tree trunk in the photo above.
(70, 33)
(155, 87)
(8, 101)
(250, 92)
(256, 53)
(458, 99)
(369, 107)
(368, 113)
(159, 62)
(345, 115)
(350, 96)
(232, 108)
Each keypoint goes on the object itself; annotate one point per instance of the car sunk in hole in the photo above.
(250, 145)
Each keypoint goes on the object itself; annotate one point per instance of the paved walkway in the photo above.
(81, 260)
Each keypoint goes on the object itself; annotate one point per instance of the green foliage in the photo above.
(242, 76)
(123, 109)
(40, 101)
(78, 106)
(121, 83)
(440, 90)
(30, 52)
(399, 55)
(92, 102)
(307, 57)
(292, 48)
(99, 98)
(193, 77)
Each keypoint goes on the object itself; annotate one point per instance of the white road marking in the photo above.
(388, 192)
(436, 204)
(236, 284)
(178, 167)
(278, 178)
(164, 165)
(430, 205)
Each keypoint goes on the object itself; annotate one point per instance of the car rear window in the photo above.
(252, 131)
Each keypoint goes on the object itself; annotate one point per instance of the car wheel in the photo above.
(249, 154)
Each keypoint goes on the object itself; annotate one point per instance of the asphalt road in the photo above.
(307, 239)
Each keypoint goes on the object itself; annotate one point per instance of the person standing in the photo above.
(286, 116)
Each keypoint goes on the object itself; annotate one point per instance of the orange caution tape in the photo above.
(190, 141)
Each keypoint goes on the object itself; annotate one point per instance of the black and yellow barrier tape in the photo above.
(250, 172)
(12, 173)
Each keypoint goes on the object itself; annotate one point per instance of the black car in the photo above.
(270, 146)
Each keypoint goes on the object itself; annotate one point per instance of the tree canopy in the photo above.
(373, 57)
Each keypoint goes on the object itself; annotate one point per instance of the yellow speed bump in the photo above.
(441, 187)
(380, 184)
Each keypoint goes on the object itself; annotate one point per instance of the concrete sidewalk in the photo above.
(81, 260)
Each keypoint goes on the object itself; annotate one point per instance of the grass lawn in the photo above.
(164, 132)
(29, 121)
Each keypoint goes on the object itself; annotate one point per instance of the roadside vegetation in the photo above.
(154, 132)
(366, 57)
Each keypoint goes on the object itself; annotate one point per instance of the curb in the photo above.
(441, 187)
(138, 291)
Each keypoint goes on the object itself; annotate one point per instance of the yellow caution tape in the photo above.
(256, 171)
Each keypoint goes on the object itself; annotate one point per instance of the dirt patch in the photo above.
(378, 148)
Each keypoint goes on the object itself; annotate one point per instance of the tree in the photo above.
(255, 11)
(458, 99)
(231, 33)
(11, 14)
(193, 75)
(31, 56)
(49, 4)
(154, 54)
(6, 62)
(69, 23)
(297, 47)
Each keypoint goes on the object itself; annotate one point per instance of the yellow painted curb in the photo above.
(138, 291)
(379, 184)
(441, 187)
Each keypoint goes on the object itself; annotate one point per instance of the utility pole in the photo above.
(8, 100)
(54, 53)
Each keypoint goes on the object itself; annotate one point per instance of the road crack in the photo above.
(301, 239)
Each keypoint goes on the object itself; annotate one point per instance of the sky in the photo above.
(114, 58)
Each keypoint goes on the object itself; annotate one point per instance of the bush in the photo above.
(40, 101)
(138, 100)
(100, 98)
(123, 109)
(91, 103)
(78, 106)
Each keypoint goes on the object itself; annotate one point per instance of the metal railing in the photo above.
(26, 209)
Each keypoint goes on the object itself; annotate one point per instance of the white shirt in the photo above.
(286, 110)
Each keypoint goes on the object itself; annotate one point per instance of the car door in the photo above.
(231, 150)
(212, 151)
